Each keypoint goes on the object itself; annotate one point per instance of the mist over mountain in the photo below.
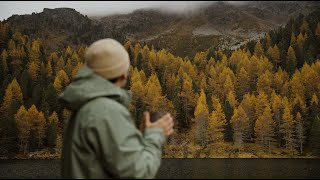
(193, 27)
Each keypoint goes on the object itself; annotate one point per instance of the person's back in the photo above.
(101, 140)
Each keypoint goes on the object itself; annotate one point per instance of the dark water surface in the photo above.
(185, 168)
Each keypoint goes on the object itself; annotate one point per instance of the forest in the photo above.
(261, 100)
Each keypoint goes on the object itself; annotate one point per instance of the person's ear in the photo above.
(123, 77)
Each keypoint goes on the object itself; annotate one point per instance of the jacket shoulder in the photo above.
(103, 107)
(104, 104)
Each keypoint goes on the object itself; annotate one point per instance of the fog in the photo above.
(101, 8)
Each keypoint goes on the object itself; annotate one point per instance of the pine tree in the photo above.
(203, 83)
(217, 123)
(201, 115)
(75, 59)
(76, 69)
(5, 32)
(13, 92)
(293, 40)
(61, 81)
(23, 125)
(33, 70)
(248, 105)
(15, 55)
(296, 86)
(268, 41)
(264, 83)
(34, 54)
(188, 100)
(228, 85)
(214, 101)
(12, 100)
(260, 104)
(291, 62)
(41, 124)
(68, 53)
(264, 129)
(49, 69)
(51, 134)
(304, 27)
(127, 45)
(239, 123)
(311, 120)
(81, 52)
(258, 50)
(287, 129)
(231, 98)
(300, 40)
(57, 85)
(9, 133)
(279, 80)
(170, 85)
(300, 132)
(243, 86)
(310, 80)
(59, 64)
(315, 136)
(228, 110)
(38, 124)
(276, 55)
(153, 93)
(4, 57)
(68, 67)
(276, 104)
(138, 91)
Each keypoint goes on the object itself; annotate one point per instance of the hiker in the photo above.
(101, 139)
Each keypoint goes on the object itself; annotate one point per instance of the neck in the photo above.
(118, 84)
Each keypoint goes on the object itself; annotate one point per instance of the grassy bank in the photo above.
(227, 150)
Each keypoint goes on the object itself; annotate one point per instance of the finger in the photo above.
(167, 128)
(171, 131)
(162, 122)
(165, 117)
(168, 133)
(169, 125)
(146, 117)
(169, 122)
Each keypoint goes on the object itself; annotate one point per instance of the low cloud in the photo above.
(95, 8)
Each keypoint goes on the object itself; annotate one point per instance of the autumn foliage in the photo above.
(265, 92)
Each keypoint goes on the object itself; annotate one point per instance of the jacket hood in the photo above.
(87, 85)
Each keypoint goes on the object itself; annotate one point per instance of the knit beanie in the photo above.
(107, 58)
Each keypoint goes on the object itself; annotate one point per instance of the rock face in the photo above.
(219, 24)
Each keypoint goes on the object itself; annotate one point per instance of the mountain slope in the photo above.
(220, 24)
(57, 27)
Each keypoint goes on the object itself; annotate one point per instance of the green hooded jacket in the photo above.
(101, 139)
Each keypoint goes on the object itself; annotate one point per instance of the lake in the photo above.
(185, 168)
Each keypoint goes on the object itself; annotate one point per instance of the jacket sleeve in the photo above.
(124, 151)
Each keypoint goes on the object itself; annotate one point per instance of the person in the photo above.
(101, 139)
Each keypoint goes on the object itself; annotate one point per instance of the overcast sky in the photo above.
(90, 8)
